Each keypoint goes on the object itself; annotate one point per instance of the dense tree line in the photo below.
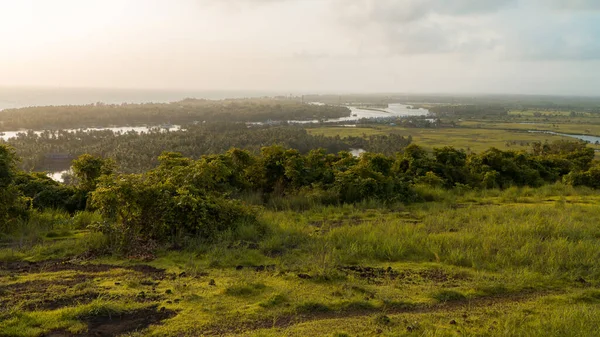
(470, 111)
(185, 112)
(136, 153)
(535, 102)
(183, 197)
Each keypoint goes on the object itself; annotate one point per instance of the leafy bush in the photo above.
(157, 207)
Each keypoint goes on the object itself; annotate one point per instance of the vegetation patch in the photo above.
(244, 290)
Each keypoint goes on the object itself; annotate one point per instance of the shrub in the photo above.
(155, 207)
(448, 296)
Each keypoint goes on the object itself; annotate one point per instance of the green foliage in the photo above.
(589, 178)
(187, 111)
(47, 193)
(136, 153)
(12, 204)
(88, 169)
(448, 296)
(252, 289)
(312, 308)
(168, 203)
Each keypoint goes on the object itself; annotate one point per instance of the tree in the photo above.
(8, 165)
(12, 205)
(88, 169)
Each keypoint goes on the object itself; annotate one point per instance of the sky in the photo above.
(361, 46)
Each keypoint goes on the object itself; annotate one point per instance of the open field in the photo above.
(572, 128)
(471, 139)
(492, 263)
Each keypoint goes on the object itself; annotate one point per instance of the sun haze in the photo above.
(493, 46)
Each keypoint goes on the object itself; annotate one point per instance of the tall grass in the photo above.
(548, 239)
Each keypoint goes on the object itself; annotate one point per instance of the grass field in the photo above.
(471, 138)
(519, 262)
(572, 128)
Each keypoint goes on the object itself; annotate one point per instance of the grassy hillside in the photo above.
(493, 263)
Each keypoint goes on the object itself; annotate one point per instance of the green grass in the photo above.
(518, 262)
(478, 138)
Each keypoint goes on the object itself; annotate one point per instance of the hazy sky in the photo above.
(496, 46)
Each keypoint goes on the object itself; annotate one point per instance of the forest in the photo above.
(276, 172)
(136, 153)
(187, 111)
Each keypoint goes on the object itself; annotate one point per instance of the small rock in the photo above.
(212, 282)
(453, 322)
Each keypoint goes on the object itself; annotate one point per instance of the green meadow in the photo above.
(474, 136)
(517, 262)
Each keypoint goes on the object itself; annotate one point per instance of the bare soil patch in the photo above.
(121, 324)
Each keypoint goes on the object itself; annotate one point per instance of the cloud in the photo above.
(506, 29)
(510, 29)
(573, 4)
(575, 38)
(421, 26)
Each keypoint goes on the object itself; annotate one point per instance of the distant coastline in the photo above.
(20, 97)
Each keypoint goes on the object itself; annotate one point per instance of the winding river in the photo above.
(585, 138)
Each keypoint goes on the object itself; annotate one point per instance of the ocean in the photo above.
(12, 97)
